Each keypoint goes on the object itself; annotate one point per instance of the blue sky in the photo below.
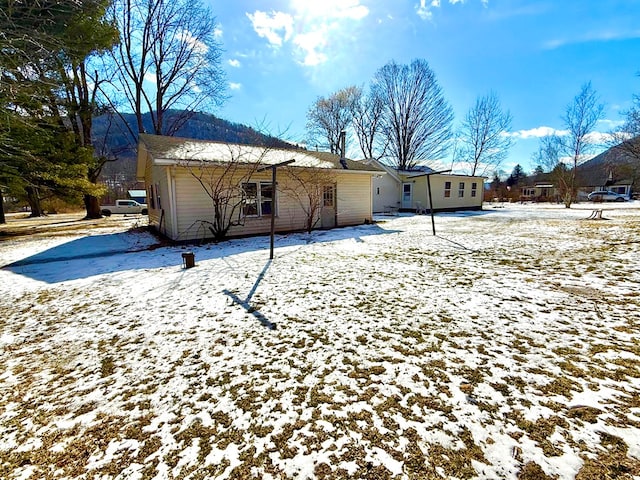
(280, 55)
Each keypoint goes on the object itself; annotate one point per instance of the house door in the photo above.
(328, 212)
(407, 195)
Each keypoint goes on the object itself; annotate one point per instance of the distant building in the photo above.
(408, 190)
(139, 196)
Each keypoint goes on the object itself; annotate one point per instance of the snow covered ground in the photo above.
(507, 346)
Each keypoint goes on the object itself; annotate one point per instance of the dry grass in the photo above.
(416, 380)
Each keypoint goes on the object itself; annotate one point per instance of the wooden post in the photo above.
(433, 221)
(428, 175)
(273, 200)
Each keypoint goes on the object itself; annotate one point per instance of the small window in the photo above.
(328, 196)
(474, 189)
(266, 198)
(258, 199)
(461, 189)
(447, 189)
(158, 196)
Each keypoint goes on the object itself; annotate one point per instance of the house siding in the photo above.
(386, 194)
(194, 209)
(440, 201)
(353, 199)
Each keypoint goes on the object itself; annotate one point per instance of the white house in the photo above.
(408, 190)
(194, 186)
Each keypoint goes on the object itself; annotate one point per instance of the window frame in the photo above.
(447, 189)
(474, 189)
(260, 201)
(329, 196)
(460, 189)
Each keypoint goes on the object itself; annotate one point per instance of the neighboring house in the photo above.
(139, 196)
(180, 208)
(540, 190)
(408, 190)
(611, 170)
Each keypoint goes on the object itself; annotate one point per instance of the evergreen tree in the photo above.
(47, 97)
(516, 177)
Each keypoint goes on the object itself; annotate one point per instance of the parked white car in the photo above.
(125, 207)
(606, 196)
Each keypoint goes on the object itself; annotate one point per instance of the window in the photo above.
(158, 196)
(266, 198)
(474, 189)
(461, 189)
(447, 189)
(328, 196)
(258, 199)
(152, 198)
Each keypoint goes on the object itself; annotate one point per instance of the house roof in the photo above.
(171, 150)
(418, 171)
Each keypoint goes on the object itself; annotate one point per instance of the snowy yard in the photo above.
(508, 346)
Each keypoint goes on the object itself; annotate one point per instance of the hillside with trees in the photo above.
(113, 140)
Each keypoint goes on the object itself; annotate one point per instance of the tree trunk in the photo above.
(2, 219)
(34, 202)
(92, 206)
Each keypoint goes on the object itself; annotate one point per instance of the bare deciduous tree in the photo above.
(549, 157)
(223, 182)
(417, 118)
(307, 186)
(580, 119)
(168, 59)
(483, 143)
(330, 116)
(367, 124)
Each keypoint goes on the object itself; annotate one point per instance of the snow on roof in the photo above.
(175, 149)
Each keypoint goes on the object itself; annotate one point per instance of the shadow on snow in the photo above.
(126, 251)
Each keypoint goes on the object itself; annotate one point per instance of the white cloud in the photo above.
(309, 26)
(611, 124)
(312, 44)
(596, 138)
(235, 86)
(235, 63)
(425, 8)
(217, 32)
(600, 138)
(537, 132)
(599, 36)
(197, 45)
(327, 9)
(276, 27)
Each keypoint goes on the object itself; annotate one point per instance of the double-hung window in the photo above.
(474, 189)
(258, 199)
(461, 189)
(447, 189)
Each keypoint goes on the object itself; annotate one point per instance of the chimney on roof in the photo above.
(342, 146)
